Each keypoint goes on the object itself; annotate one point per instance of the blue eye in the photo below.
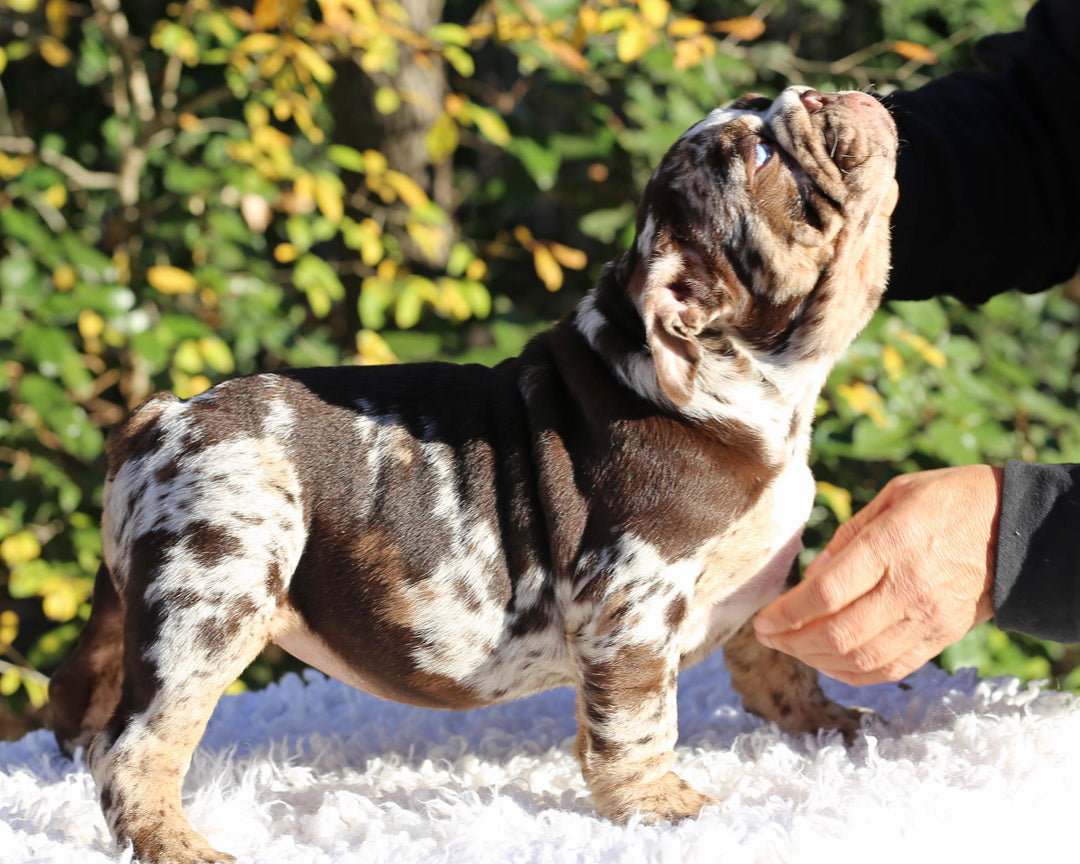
(762, 153)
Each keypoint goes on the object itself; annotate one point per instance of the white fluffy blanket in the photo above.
(311, 771)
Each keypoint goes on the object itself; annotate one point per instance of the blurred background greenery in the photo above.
(192, 189)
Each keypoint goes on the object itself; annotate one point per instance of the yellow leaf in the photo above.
(187, 358)
(19, 548)
(632, 41)
(54, 52)
(3, 59)
(256, 114)
(432, 241)
(575, 259)
(185, 387)
(372, 350)
(10, 681)
(56, 14)
(476, 270)
(217, 354)
(267, 13)
(387, 100)
(65, 277)
(258, 43)
(924, 348)
(547, 268)
(60, 604)
(688, 54)
(329, 198)
(171, 280)
(285, 253)
(381, 52)
(451, 301)
(892, 362)
(863, 399)
(490, 124)
(12, 166)
(655, 12)
(442, 138)
(683, 28)
(914, 51)
(56, 195)
(91, 324)
(747, 27)
(374, 163)
(838, 500)
(524, 236)
(613, 19)
(408, 190)
(370, 241)
(9, 627)
(311, 60)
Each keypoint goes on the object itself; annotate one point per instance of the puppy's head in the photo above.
(764, 233)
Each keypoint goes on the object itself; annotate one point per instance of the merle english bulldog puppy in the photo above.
(600, 512)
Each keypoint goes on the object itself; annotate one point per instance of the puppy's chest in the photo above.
(748, 565)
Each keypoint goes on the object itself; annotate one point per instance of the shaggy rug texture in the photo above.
(954, 769)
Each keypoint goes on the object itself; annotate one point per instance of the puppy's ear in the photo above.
(752, 102)
(674, 313)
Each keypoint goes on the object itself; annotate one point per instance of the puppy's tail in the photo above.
(84, 691)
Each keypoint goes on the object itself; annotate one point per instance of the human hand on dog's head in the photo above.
(907, 576)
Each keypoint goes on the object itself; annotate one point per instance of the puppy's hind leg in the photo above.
(84, 691)
(182, 648)
(779, 688)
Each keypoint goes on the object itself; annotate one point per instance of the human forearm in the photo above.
(989, 168)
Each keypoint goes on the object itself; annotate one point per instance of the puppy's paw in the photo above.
(666, 799)
(830, 715)
(179, 846)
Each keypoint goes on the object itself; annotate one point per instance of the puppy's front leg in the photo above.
(627, 728)
(777, 687)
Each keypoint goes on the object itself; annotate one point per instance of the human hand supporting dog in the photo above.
(905, 577)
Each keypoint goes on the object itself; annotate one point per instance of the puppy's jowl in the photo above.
(599, 512)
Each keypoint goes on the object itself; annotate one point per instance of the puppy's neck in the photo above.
(771, 394)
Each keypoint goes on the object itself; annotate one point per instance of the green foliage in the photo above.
(183, 197)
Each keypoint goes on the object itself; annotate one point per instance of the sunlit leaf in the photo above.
(442, 138)
(748, 28)
(682, 28)
(490, 124)
(171, 280)
(655, 12)
(372, 350)
(632, 41)
(450, 34)
(914, 51)
(547, 267)
(461, 60)
(19, 548)
(837, 499)
(387, 100)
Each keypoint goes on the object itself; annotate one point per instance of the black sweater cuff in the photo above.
(1037, 575)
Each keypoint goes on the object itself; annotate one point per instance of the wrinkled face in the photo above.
(758, 216)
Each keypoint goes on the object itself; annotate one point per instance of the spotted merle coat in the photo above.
(599, 512)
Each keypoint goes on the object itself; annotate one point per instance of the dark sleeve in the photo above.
(1037, 577)
(989, 167)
